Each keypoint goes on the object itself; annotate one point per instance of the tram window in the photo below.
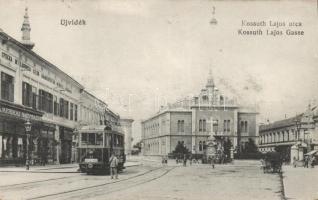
(91, 139)
(84, 138)
(99, 138)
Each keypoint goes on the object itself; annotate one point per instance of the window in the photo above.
(34, 97)
(244, 126)
(224, 125)
(75, 112)
(71, 111)
(7, 87)
(27, 97)
(45, 101)
(66, 105)
(200, 125)
(228, 129)
(84, 138)
(56, 106)
(61, 107)
(204, 125)
(91, 139)
(99, 138)
(200, 146)
(215, 125)
(180, 125)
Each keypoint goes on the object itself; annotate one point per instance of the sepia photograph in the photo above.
(159, 99)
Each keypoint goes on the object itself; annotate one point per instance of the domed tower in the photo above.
(26, 29)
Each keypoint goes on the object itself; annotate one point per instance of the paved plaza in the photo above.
(146, 180)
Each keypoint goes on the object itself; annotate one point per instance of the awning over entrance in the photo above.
(311, 153)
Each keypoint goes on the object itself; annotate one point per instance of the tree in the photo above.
(181, 148)
(250, 146)
(227, 147)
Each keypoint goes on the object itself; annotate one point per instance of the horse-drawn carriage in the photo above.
(272, 162)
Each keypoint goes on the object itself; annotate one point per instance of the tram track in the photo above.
(17, 185)
(109, 187)
(35, 183)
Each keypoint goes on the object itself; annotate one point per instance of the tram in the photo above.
(95, 146)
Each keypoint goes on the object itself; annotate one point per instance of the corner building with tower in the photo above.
(194, 120)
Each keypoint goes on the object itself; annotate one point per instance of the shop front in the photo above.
(13, 137)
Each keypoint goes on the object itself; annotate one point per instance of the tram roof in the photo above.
(98, 128)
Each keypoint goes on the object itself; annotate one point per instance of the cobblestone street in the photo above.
(241, 180)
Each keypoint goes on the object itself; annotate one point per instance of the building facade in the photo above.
(33, 89)
(193, 120)
(126, 125)
(293, 136)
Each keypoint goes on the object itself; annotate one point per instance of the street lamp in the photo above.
(28, 127)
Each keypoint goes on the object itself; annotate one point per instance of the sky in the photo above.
(137, 55)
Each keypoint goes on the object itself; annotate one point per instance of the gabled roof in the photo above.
(282, 123)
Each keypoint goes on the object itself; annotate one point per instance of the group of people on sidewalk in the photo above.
(185, 159)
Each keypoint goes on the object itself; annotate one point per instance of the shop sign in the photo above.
(18, 113)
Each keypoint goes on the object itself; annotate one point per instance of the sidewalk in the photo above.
(300, 183)
(62, 168)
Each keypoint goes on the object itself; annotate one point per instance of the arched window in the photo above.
(200, 146)
(200, 125)
(228, 126)
(204, 126)
(182, 125)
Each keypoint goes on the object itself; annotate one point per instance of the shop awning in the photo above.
(313, 152)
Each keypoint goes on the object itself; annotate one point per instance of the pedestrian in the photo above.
(306, 161)
(212, 162)
(27, 164)
(312, 162)
(190, 159)
(113, 162)
(294, 161)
